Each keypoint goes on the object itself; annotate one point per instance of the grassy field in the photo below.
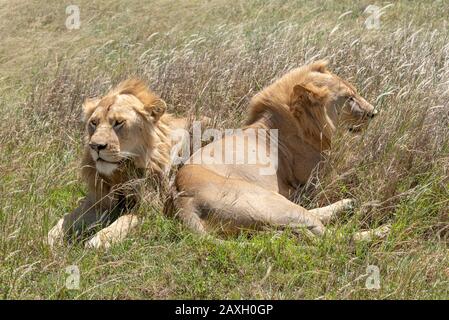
(211, 57)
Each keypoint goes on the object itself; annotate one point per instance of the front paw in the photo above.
(98, 241)
(369, 235)
(56, 235)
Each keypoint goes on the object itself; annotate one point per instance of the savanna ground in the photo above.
(210, 57)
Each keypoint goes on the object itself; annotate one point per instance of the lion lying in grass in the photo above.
(128, 138)
(305, 106)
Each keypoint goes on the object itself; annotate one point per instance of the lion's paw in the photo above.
(98, 241)
(369, 235)
(56, 234)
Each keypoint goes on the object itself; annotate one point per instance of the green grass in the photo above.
(210, 57)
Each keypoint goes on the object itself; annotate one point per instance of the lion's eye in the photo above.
(118, 124)
(93, 124)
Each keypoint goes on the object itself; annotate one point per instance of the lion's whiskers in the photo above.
(127, 155)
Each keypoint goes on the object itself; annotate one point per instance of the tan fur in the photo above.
(155, 139)
(306, 105)
(137, 148)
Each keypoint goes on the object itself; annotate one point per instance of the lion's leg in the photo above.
(73, 224)
(80, 222)
(189, 215)
(258, 208)
(234, 204)
(327, 213)
(114, 233)
(86, 219)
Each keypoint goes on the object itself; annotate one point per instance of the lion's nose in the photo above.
(98, 146)
(372, 114)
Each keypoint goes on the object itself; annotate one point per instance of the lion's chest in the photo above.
(304, 163)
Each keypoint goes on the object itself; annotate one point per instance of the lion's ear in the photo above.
(319, 66)
(156, 109)
(89, 106)
(308, 95)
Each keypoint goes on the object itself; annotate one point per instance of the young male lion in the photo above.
(128, 137)
(304, 106)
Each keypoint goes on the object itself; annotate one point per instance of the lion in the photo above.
(301, 110)
(128, 139)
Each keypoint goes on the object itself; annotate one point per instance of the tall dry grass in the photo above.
(210, 59)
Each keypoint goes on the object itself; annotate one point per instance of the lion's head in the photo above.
(315, 101)
(125, 125)
(336, 96)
